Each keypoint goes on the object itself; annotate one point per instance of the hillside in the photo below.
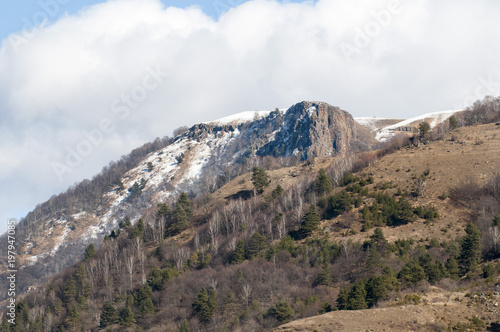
(285, 237)
(200, 158)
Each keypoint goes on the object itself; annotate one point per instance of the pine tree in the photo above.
(453, 268)
(339, 203)
(342, 298)
(73, 317)
(108, 315)
(256, 244)
(143, 294)
(376, 290)
(373, 262)
(390, 279)
(89, 252)
(69, 291)
(453, 122)
(379, 241)
(470, 252)
(163, 210)
(181, 218)
(282, 311)
(81, 279)
(357, 297)
(205, 304)
(323, 184)
(213, 301)
(276, 192)
(424, 129)
(238, 255)
(325, 278)
(138, 229)
(146, 307)
(412, 273)
(260, 179)
(183, 200)
(310, 222)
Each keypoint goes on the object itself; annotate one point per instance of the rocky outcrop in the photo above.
(312, 129)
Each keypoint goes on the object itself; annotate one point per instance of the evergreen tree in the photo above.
(342, 298)
(373, 262)
(73, 317)
(310, 222)
(183, 200)
(108, 315)
(256, 244)
(277, 191)
(453, 268)
(378, 239)
(143, 294)
(157, 278)
(412, 273)
(89, 252)
(390, 279)
(260, 179)
(357, 297)
(436, 272)
(181, 218)
(213, 301)
(69, 291)
(325, 278)
(238, 255)
(163, 210)
(376, 290)
(205, 305)
(81, 279)
(339, 203)
(146, 307)
(282, 311)
(470, 252)
(453, 122)
(424, 129)
(323, 184)
(138, 229)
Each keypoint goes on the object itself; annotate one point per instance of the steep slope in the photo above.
(193, 160)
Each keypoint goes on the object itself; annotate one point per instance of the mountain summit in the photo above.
(203, 157)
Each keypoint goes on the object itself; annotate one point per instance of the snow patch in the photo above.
(434, 119)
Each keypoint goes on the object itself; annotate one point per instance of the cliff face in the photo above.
(313, 129)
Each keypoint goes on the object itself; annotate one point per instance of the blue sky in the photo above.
(59, 82)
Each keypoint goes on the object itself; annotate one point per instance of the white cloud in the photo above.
(426, 56)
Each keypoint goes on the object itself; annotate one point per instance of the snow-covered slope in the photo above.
(375, 123)
(241, 117)
(433, 119)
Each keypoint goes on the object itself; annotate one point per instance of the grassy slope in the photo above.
(468, 154)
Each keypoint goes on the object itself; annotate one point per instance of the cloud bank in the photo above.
(90, 87)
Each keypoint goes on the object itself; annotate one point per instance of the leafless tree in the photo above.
(180, 257)
(130, 264)
(246, 294)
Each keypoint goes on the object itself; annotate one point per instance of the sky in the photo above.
(84, 82)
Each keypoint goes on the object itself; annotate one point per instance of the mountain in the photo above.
(202, 157)
(393, 231)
